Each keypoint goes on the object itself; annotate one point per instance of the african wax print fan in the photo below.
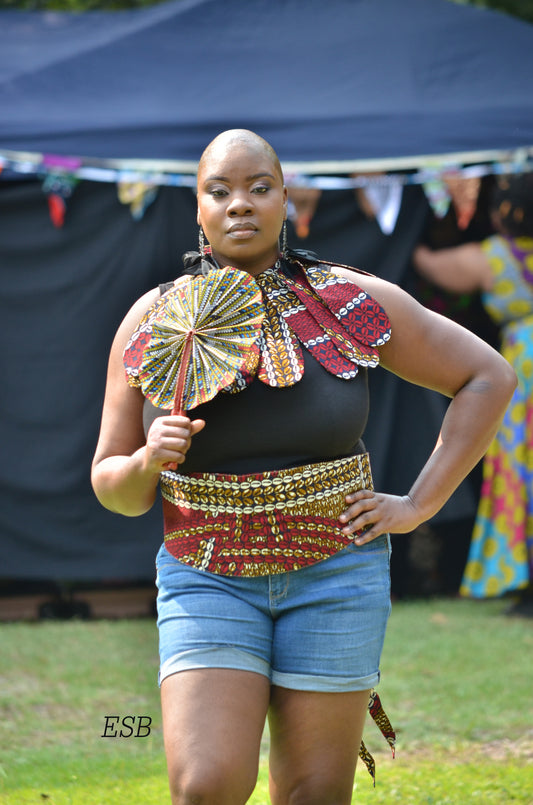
(195, 339)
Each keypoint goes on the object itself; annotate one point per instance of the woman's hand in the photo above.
(168, 441)
(125, 480)
(376, 514)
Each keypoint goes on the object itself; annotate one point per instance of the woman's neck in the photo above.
(253, 267)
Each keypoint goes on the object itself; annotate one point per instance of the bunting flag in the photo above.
(437, 193)
(58, 187)
(137, 183)
(383, 202)
(464, 192)
(303, 203)
(138, 195)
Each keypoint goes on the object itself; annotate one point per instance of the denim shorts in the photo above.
(320, 628)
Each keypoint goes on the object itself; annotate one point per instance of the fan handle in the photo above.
(180, 383)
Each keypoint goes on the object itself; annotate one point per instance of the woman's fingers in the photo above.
(169, 440)
(197, 425)
(361, 514)
(360, 504)
(370, 514)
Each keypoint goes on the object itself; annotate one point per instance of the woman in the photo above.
(301, 645)
(501, 268)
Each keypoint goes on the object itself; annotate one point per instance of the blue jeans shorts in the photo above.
(320, 628)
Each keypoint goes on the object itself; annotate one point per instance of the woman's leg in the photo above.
(315, 740)
(213, 722)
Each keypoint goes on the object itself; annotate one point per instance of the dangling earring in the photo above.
(284, 239)
(201, 241)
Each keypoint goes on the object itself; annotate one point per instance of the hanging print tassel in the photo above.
(381, 719)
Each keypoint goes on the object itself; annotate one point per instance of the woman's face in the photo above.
(242, 204)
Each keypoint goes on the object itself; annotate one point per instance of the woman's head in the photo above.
(242, 201)
(512, 205)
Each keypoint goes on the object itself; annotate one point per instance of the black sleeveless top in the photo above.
(262, 428)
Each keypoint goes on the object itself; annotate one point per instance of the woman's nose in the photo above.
(239, 205)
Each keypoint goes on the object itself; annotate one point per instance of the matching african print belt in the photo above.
(260, 524)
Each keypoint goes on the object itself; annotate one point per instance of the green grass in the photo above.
(456, 682)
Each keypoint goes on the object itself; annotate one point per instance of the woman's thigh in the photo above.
(213, 721)
(314, 745)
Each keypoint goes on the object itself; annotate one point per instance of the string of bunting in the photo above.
(444, 183)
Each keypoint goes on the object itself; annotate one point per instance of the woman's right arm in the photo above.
(126, 465)
(458, 269)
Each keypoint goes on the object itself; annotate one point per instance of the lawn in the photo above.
(456, 682)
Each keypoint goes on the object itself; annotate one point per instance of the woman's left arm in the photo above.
(432, 351)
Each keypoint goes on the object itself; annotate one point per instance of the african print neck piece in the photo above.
(308, 306)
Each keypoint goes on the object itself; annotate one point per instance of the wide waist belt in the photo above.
(259, 524)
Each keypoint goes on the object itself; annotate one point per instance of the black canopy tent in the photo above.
(328, 84)
(336, 87)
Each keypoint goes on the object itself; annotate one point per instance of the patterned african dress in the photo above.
(501, 551)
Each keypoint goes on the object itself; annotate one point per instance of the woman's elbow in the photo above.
(126, 505)
(496, 380)
(511, 378)
(504, 379)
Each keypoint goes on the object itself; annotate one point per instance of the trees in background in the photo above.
(516, 8)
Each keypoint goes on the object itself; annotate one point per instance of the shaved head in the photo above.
(239, 138)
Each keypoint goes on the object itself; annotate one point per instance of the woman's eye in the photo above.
(215, 190)
(261, 189)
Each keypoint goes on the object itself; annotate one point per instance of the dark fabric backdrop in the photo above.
(63, 294)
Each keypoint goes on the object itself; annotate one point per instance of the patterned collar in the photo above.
(306, 306)
(309, 306)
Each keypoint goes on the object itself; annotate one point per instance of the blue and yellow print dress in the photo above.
(500, 558)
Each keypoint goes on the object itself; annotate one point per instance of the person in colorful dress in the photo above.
(500, 560)
(274, 582)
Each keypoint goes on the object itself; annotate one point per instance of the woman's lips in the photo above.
(242, 230)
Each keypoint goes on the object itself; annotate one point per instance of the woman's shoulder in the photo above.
(140, 308)
(386, 293)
